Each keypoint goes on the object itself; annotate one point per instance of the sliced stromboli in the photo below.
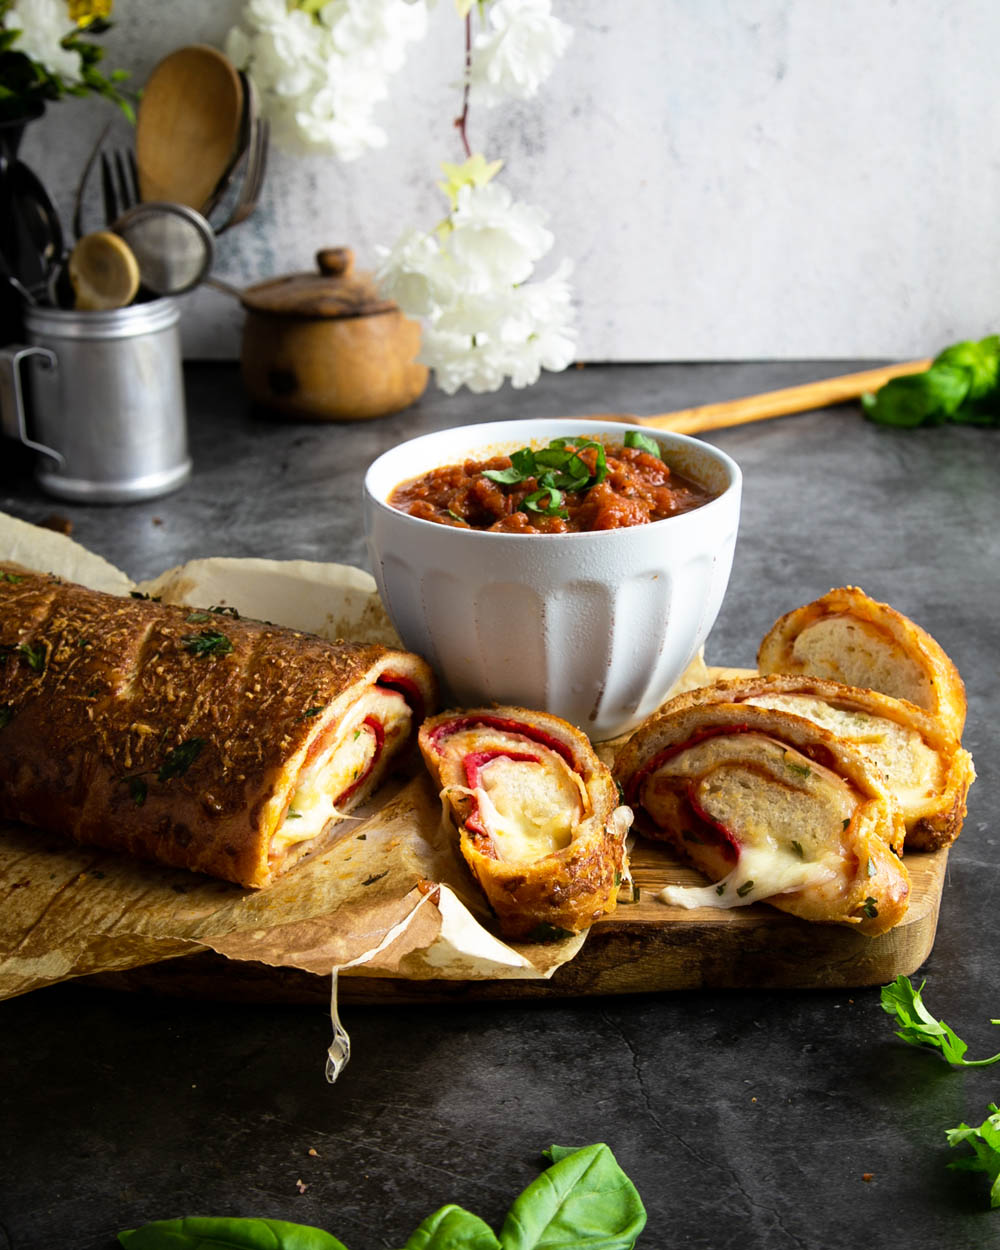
(771, 808)
(846, 636)
(189, 737)
(537, 813)
(926, 770)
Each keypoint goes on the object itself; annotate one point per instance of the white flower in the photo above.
(496, 240)
(416, 274)
(519, 51)
(43, 24)
(320, 78)
(482, 324)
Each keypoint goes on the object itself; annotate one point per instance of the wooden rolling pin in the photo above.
(781, 403)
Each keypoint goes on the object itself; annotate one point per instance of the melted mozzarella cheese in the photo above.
(912, 769)
(785, 813)
(334, 769)
(529, 809)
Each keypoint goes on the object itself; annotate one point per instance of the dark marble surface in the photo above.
(747, 1119)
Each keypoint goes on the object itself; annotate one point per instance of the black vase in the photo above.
(30, 237)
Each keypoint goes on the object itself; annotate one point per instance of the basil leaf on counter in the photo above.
(583, 1200)
(450, 1228)
(962, 385)
(220, 1233)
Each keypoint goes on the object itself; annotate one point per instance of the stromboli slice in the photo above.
(926, 770)
(537, 814)
(189, 737)
(771, 808)
(846, 636)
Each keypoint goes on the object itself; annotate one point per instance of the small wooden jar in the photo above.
(322, 346)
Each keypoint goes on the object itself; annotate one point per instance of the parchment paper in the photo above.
(392, 898)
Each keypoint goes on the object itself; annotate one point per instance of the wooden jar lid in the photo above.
(336, 289)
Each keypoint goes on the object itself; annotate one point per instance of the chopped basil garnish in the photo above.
(33, 656)
(743, 890)
(180, 759)
(198, 618)
(138, 789)
(207, 642)
(869, 908)
(291, 814)
(556, 469)
(643, 442)
(797, 848)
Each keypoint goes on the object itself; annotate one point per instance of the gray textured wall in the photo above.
(732, 178)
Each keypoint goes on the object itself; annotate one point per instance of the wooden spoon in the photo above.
(188, 126)
(805, 398)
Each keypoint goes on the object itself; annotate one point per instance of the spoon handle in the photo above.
(781, 403)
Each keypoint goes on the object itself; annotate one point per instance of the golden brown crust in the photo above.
(847, 636)
(124, 728)
(567, 889)
(932, 819)
(873, 897)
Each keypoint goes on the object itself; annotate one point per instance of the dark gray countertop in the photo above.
(746, 1118)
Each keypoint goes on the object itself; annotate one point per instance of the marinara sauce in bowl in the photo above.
(573, 566)
(574, 485)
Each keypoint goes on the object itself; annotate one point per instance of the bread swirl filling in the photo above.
(754, 813)
(913, 770)
(521, 797)
(341, 765)
(860, 653)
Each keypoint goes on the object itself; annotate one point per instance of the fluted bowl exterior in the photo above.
(594, 627)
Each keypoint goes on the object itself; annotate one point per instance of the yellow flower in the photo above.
(83, 12)
(475, 172)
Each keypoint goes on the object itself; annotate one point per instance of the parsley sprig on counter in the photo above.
(985, 1142)
(920, 1028)
(559, 468)
(583, 1199)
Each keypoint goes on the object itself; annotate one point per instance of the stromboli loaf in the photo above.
(770, 807)
(199, 740)
(846, 636)
(926, 770)
(537, 814)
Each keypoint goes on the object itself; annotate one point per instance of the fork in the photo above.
(119, 183)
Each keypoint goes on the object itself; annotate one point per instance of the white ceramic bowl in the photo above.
(595, 627)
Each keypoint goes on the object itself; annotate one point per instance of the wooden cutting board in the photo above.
(643, 947)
